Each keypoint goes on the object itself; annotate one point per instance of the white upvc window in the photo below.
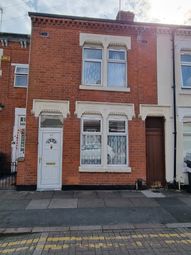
(104, 142)
(117, 141)
(21, 75)
(21, 136)
(91, 141)
(117, 68)
(92, 66)
(186, 69)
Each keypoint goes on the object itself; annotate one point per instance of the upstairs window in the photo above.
(92, 66)
(186, 69)
(117, 70)
(21, 76)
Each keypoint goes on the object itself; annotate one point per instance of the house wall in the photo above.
(182, 42)
(165, 97)
(55, 74)
(10, 96)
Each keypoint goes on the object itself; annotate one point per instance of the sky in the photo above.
(15, 12)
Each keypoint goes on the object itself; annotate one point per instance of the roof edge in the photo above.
(113, 21)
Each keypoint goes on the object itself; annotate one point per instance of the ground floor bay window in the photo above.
(104, 143)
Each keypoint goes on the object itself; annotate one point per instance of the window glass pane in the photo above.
(21, 70)
(91, 150)
(22, 121)
(116, 75)
(116, 150)
(21, 80)
(186, 57)
(92, 73)
(92, 53)
(187, 128)
(186, 75)
(22, 141)
(116, 55)
(116, 126)
(51, 121)
(91, 125)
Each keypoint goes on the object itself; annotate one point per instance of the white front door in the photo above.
(50, 159)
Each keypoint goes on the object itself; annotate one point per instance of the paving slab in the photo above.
(38, 204)
(63, 203)
(121, 202)
(170, 202)
(17, 230)
(181, 213)
(148, 226)
(144, 202)
(50, 229)
(13, 195)
(19, 204)
(186, 200)
(63, 194)
(108, 194)
(86, 228)
(118, 227)
(86, 194)
(90, 203)
(40, 194)
(151, 194)
(131, 194)
(179, 225)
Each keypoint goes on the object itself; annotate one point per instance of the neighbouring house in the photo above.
(174, 77)
(14, 55)
(108, 102)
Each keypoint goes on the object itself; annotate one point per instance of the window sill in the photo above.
(185, 91)
(105, 170)
(115, 89)
(21, 87)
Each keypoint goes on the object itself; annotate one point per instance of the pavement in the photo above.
(95, 222)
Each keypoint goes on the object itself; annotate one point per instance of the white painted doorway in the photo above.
(50, 152)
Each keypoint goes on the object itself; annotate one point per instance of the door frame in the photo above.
(39, 160)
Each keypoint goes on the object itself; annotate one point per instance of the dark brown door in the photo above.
(155, 154)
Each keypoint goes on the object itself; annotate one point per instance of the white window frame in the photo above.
(19, 113)
(117, 61)
(91, 117)
(184, 63)
(119, 118)
(22, 126)
(104, 132)
(15, 74)
(92, 60)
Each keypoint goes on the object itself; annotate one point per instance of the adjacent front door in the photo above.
(50, 159)
(155, 151)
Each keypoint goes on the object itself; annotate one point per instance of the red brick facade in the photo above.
(11, 97)
(55, 74)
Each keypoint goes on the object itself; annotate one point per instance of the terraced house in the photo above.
(103, 102)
